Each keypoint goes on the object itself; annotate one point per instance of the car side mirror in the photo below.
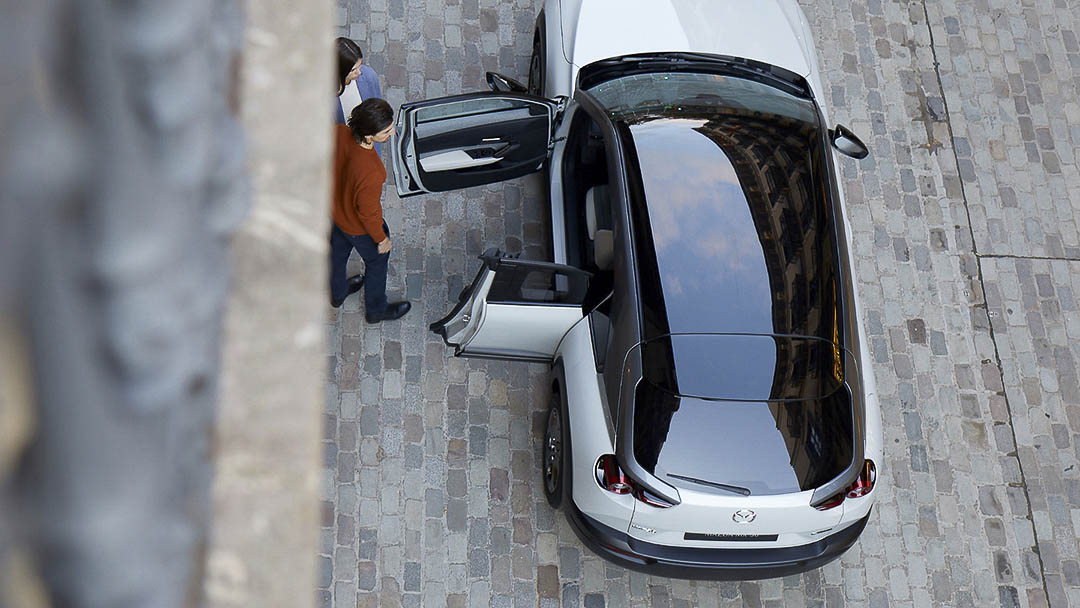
(847, 143)
(501, 83)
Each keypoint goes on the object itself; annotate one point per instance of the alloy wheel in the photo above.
(553, 451)
(535, 72)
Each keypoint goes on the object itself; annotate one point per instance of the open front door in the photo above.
(469, 140)
(514, 309)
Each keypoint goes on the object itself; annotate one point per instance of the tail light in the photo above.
(611, 478)
(865, 482)
(834, 501)
(649, 498)
(859, 488)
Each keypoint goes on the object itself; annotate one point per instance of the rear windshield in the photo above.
(766, 413)
(763, 447)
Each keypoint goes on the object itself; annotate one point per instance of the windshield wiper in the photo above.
(723, 486)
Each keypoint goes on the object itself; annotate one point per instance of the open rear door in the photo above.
(514, 309)
(469, 140)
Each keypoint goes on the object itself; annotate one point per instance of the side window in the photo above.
(517, 283)
(600, 326)
(599, 227)
(475, 107)
(586, 196)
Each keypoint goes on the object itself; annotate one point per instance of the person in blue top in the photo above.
(356, 81)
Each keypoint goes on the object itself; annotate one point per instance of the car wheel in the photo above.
(554, 465)
(536, 66)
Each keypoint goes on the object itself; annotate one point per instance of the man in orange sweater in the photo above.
(357, 210)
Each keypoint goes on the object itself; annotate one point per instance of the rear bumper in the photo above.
(704, 563)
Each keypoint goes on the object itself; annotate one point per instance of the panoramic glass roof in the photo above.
(733, 227)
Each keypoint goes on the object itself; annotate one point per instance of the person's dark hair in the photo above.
(370, 117)
(348, 53)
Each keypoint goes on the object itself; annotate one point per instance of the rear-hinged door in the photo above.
(514, 309)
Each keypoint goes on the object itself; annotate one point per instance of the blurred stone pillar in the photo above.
(123, 177)
(268, 459)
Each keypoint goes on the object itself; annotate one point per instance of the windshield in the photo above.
(631, 98)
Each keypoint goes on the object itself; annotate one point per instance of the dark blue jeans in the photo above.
(341, 245)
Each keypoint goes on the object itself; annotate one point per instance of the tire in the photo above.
(536, 64)
(554, 465)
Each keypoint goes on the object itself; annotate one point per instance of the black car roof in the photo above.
(732, 226)
(735, 229)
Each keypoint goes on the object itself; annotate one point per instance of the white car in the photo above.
(713, 409)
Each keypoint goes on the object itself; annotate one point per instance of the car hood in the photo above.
(771, 31)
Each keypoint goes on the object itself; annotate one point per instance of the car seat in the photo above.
(599, 225)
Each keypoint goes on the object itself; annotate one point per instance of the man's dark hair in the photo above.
(370, 117)
(348, 53)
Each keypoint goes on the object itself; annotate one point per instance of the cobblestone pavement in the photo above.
(968, 262)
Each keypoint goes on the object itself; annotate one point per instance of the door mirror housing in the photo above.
(847, 143)
(503, 84)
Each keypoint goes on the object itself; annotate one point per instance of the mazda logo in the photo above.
(743, 516)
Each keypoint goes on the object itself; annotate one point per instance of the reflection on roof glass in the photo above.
(741, 367)
(733, 225)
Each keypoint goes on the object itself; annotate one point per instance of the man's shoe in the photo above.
(355, 283)
(394, 310)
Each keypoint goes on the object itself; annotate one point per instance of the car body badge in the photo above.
(743, 516)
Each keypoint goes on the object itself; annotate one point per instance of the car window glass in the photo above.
(587, 198)
(464, 107)
(734, 226)
(674, 93)
(600, 328)
(741, 367)
(794, 446)
(514, 284)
